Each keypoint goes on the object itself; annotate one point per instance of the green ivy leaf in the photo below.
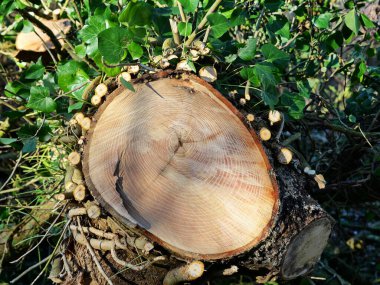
(72, 75)
(219, 24)
(273, 54)
(137, 14)
(352, 21)
(270, 96)
(367, 22)
(90, 32)
(75, 106)
(112, 43)
(248, 52)
(40, 100)
(294, 103)
(135, 50)
(127, 85)
(184, 29)
(267, 74)
(322, 21)
(35, 71)
(248, 73)
(30, 144)
(279, 25)
(189, 6)
(7, 140)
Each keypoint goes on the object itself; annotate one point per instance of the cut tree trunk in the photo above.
(176, 162)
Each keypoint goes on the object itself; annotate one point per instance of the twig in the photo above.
(342, 129)
(93, 255)
(206, 34)
(132, 266)
(281, 128)
(143, 66)
(31, 268)
(291, 40)
(53, 254)
(12, 173)
(47, 48)
(183, 17)
(173, 26)
(202, 23)
(42, 239)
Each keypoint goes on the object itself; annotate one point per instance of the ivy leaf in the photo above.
(322, 21)
(279, 25)
(273, 54)
(294, 103)
(72, 75)
(267, 74)
(30, 144)
(184, 29)
(135, 50)
(248, 52)
(352, 21)
(189, 6)
(219, 24)
(248, 73)
(366, 21)
(7, 140)
(270, 97)
(137, 14)
(127, 85)
(35, 71)
(95, 25)
(40, 100)
(112, 43)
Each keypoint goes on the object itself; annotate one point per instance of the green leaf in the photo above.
(360, 70)
(248, 52)
(352, 21)
(270, 97)
(184, 29)
(35, 71)
(112, 43)
(72, 75)
(7, 140)
(273, 54)
(322, 21)
(352, 118)
(80, 50)
(279, 25)
(135, 50)
(30, 144)
(75, 106)
(367, 22)
(40, 100)
(137, 14)
(267, 74)
(189, 6)
(273, 5)
(127, 85)
(294, 103)
(248, 73)
(95, 25)
(219, 24)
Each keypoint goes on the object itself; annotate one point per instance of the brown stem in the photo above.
(45, 29)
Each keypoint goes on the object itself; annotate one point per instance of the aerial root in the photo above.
(184, 273)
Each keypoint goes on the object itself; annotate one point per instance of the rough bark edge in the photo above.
(175, 251)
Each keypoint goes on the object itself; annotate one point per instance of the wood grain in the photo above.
(175, 158)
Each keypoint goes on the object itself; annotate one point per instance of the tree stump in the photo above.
(176, 162)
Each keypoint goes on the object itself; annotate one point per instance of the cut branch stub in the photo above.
(175, 159)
